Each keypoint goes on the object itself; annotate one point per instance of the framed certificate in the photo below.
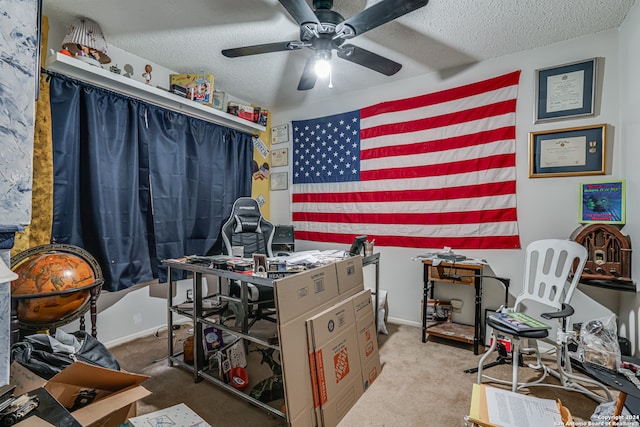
(280, 134)
(279, 181)
(602, 202)
(568, 152)
(280, 157)
(566, 91)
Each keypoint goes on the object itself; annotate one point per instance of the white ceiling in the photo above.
(188, 35)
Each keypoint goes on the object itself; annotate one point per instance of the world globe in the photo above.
(54, 284)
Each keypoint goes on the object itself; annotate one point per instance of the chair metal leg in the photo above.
(484, 357)
(515, 354)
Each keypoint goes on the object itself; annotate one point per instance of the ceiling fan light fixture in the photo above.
(322, 68)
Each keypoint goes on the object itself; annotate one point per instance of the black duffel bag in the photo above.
(46, 355)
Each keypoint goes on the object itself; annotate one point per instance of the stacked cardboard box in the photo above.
(305, 303)
(344, 356)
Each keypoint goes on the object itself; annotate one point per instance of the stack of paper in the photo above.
(178, 415)
(494, 407)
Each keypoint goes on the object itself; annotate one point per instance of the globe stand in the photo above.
(17, 327)
(88, 290)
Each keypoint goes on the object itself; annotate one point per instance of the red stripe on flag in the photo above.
(482, 242)
(470, 115)
(438, 218)
(452, 168)
(442, 96)
(449, 193)
(436, 145)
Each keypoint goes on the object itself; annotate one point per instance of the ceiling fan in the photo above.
(324, 30)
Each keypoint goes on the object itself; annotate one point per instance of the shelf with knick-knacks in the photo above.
(84, 71)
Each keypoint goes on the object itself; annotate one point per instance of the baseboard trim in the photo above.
(144, 333)
(398, 321)
(150, 331)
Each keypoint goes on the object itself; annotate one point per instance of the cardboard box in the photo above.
(199, 87)
(338, 374)
(299, 297)
(350, 275)
(367, 337)
(300, 293)
(116, 391)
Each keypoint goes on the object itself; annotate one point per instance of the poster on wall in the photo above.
(602, 202)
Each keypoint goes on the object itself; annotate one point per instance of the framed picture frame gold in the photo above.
(568, 152)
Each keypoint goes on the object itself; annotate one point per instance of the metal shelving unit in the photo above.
(203, 317)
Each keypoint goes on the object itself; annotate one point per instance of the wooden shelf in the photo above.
(98, 76)
(451, 330)
(616, 285)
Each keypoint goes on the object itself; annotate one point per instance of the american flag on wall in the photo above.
(430, 171)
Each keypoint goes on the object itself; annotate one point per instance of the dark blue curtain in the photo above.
(135, 184)
(197, 171)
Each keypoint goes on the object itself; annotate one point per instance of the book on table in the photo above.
(519, 321)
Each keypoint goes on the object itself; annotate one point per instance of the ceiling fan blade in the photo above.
(368, 59)
(261, 48)
(300, 11)
(308, 78)
(376, 15)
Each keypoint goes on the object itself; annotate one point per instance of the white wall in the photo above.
(629, 104)
(546, 207)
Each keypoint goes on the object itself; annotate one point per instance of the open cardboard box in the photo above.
(116, 391)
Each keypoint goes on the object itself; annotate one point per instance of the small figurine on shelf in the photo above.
(147, 74)
(83, 51)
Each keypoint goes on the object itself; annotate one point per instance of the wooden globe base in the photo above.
(57, 284)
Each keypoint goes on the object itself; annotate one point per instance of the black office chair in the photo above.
(247, 228)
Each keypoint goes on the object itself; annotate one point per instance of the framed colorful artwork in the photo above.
(602, 202)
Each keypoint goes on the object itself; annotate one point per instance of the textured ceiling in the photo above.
(188, 35)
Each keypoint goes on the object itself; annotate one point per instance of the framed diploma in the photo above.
(280, 157)
(279, 181)
(566, 91)
(602, 202)
(568, 152)
(280, 134)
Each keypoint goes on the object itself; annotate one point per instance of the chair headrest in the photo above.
(246, 213)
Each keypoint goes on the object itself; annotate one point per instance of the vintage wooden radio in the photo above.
(609, 256)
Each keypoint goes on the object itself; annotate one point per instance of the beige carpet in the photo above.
(421, 384)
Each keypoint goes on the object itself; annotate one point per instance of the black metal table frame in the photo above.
(428, 291)
(197, 316)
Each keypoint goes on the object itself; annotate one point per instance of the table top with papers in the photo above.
(495, 407)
